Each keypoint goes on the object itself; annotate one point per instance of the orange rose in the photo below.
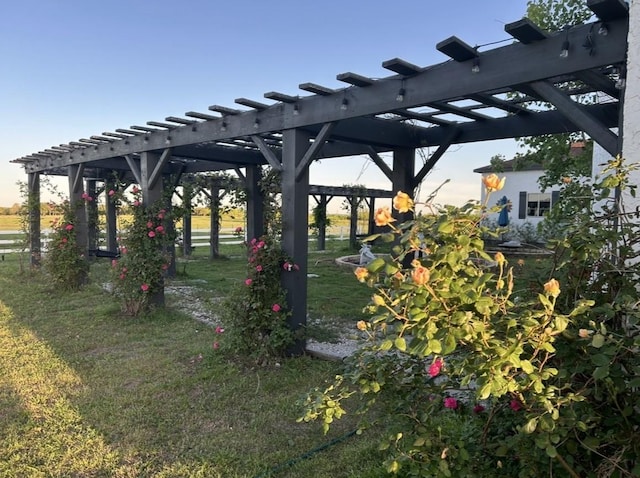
(362, 325)
(420, 275)
(402, 202)
(552, 288)
(361, 273)
(499, 258)
(383, 216)
(493, 182)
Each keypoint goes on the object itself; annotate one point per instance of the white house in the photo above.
(528, 203)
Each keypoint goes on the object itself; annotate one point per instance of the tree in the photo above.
(553, 151)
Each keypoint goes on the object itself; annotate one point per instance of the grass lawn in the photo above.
(85, 391)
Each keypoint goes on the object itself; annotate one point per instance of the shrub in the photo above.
(478, 384)
(255, 313)
(138, 276)
(65, 261)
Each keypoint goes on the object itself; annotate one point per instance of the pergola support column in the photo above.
(403, 177)
(187, 239)
(255, 202)
(77, 204)
(111, 217)
(214, 215)
(354, 202)
(91, 210)
(295, 224)
(33, 205)
(152, 193)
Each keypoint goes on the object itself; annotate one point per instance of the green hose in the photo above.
(306, 455)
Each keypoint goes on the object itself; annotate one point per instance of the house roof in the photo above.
(521, 164)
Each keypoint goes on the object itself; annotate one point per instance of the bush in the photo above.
(478, 384)
(65, 261)
(255, 313)
(138, 276)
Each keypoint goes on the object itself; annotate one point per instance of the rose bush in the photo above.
(138, 275)
(477, 379)
(255, 313)
(65, 261)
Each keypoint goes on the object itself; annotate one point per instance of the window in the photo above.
(538, 204)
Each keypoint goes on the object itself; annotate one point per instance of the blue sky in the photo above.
(76, 68)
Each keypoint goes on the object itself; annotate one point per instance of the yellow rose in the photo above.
(377, 300)
(402, 202)
(420, 275)
(493, 182)
(499, 257)
(552, 288)
(383, 216)
(361, 273)
(362, 325)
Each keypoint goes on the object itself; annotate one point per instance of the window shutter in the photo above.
(555, 197)
(522, 205)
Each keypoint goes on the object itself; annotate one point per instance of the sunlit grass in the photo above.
(85, 391)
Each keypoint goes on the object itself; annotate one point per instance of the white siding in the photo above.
(516, 181)
(631, 127)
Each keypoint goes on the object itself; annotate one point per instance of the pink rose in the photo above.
(149, 225)
(216, 346)
(276, 308)
(151, 234)
(111, 192)
(136, 203)
(478, 409)
(68, 227)
(434, 369)
(451, 403)
(515, 405)
(135, 190)
(160, 229)
(248, 282)
(144, 287)
(259, 268)
(219, 330)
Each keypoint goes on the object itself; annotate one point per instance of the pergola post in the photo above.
(372, 214)
(33, 205)
(404, 180)
(322, 227)
(152, 193)
(187, 196)
(91, 210)
(214, 214)
(111, 217)
(255, 202)
(77, 204)
(403, 177)
(295, 224)
(354, 202)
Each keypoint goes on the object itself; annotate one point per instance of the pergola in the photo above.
(475, 96)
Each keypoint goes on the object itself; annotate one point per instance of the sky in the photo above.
(75, 68)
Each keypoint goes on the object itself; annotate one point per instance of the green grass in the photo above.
(85, 391)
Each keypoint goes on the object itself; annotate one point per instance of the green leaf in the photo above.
(376, 264)
(445, 227)
(401, 344)
(449, 344)
(386, 345)
(561, 323)
(597, 341)
(526, 366)
(601, 372)
(601, 360)
(551, 451)
(435, 346)
(530, 426)
(484, 391)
